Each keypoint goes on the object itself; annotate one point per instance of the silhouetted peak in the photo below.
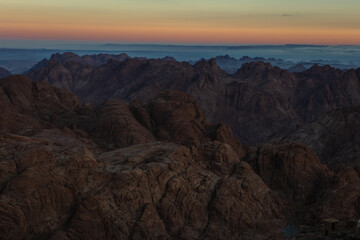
(254, 67)
(245, 58)
(317, 68)
(55, 55)
(213, 62)
(69, 54)
(225, 57)
(350, 73)
(210, 64)
(248, 59)
(323, 71)
(66, 56)
(168, 59)
(201, 62)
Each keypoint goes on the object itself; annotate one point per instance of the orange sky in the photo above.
(172, 21)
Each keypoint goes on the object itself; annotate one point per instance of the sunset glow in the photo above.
(230, 22)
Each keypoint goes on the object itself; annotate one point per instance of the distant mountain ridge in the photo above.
(227, 63)
(256, 101)
(231, 65)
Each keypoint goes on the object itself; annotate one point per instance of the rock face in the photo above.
(4, 72)
(295, 172)
(342, 194)
(290, 168)
(28, 105)
(312, 192)
(65, 191)
(334, 136)
(159, 170)
(113, 121)
(256, 102)
(57, 182)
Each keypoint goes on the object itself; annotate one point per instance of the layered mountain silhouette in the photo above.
(231, 65)
(257, 101)
(157, 169)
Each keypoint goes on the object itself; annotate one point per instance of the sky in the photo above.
(332, 22)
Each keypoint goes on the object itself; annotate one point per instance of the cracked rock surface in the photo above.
(71, 171)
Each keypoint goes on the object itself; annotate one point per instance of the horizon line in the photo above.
(180, 44)
(157, 43)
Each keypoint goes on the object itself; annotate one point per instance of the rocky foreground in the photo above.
(158, 170)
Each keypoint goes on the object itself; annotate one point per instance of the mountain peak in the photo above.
(325, 72)
(318, 68)
(210, 64)
(297, 68)
(168, 59)
(254, 68)
(65, 57)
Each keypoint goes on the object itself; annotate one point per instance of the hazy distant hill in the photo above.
(343, 57)
(4, 72)
(231, 64)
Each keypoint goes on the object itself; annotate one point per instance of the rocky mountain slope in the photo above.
(257, 101)
(334, 136)
(156, 170)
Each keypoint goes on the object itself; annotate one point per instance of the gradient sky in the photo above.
(184, 21)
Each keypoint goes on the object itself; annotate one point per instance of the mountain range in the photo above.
(160, 149)
(257, 101)
(231, 65)
(294, 58)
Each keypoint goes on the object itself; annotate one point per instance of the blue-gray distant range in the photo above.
(20, 56)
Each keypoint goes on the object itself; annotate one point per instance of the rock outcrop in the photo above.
(334, 136)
